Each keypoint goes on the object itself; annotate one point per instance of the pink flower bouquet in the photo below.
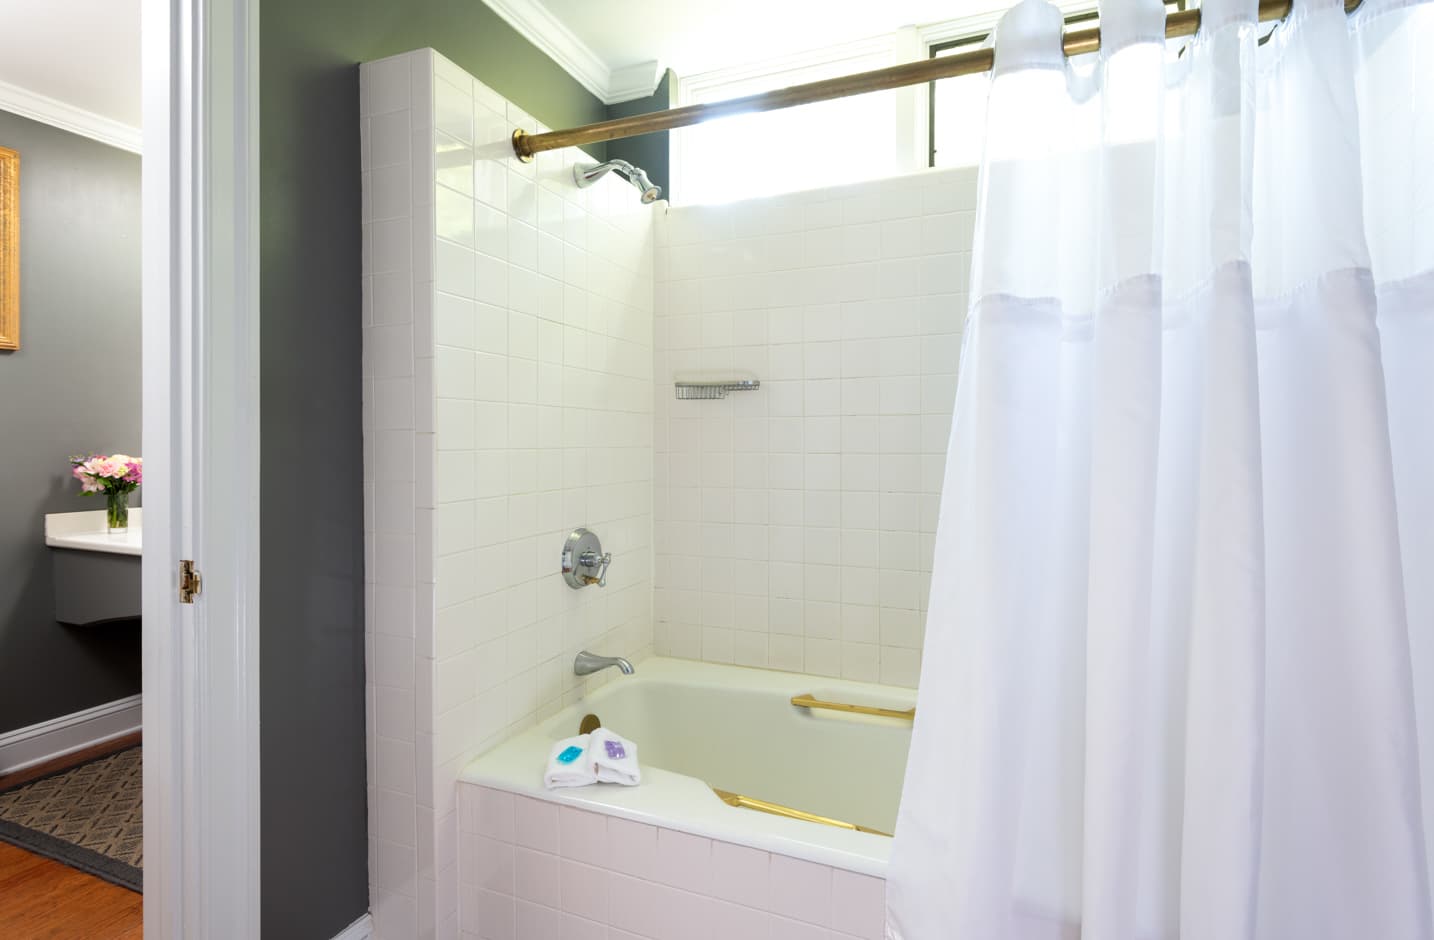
(116, 476)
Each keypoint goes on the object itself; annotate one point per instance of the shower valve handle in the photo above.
(591, 559)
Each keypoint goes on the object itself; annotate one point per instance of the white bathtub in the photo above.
(699, 726)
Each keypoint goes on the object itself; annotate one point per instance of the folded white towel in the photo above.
(569, 764)
(614, 758)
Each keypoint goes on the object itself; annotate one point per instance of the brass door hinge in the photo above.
(190, 583)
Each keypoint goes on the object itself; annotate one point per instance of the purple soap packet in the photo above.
(615, 750)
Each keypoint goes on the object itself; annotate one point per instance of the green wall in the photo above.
(313, 800)
(650, 151)
(314, 832)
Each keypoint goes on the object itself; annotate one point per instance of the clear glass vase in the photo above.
(117, 511)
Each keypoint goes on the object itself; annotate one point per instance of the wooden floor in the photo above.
(41, 899)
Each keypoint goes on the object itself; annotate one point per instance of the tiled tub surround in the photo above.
(668, 860)
(536, 869)
(795, 524)
(508, 396)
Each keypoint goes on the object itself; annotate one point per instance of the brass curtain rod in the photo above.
(1076, 42)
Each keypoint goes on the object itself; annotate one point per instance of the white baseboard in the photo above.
(25, 747)
(361, 929)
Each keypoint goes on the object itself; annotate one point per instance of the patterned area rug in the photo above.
(89, 817)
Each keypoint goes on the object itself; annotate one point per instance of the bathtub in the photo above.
(702, 728)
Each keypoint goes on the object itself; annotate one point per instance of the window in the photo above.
(958, 105)
(812, 146)
(957, 109)
(847, 140)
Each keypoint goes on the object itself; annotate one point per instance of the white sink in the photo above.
(88, 532)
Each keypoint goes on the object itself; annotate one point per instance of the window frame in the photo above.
(915, 117)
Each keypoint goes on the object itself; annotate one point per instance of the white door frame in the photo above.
(201, 447)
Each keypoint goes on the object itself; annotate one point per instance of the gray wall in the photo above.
(73, 386)
(314, 839)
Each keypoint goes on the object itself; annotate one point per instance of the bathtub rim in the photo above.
(683, 803)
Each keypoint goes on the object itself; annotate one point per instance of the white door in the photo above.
(201, 446)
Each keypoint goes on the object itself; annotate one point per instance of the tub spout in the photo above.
(589, 663)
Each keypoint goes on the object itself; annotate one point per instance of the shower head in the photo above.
(650, 192)
(585, 174)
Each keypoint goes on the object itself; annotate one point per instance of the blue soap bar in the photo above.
(570, 754)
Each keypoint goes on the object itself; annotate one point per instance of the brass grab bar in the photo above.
(777, 809)
(808, 701)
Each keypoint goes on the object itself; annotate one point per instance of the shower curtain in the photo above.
(1179, 663)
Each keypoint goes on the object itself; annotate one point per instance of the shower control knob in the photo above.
(591, 559)
(584, 562)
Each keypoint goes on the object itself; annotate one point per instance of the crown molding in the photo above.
(535, 23)
(633, 81)
(67, 117)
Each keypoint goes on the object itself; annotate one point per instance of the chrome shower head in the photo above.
(585, 174)
(650, 192)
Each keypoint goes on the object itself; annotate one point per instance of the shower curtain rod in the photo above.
(1077, 42)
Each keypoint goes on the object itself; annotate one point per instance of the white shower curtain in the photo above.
(1179, 664)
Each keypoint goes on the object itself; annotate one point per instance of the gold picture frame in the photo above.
(9, 249)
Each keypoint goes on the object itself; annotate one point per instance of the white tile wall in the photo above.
(570, 875)
(518, 360)
(795, 524)
(508, 398)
